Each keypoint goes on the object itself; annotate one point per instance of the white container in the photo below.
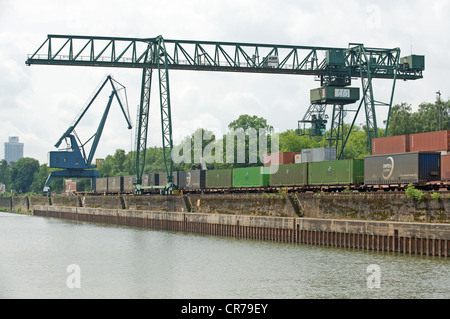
(321, 154)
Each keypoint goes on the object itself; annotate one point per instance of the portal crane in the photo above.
(335, 67)
(73, 160)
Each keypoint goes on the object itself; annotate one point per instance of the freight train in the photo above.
(388, 171)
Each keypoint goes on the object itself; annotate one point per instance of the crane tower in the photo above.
(334, 67)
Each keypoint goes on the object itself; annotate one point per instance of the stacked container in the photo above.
(320, 154)
(391, 145)
(430, 142)
(280, 158)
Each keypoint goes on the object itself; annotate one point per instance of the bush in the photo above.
(415, 194)
(435, 196)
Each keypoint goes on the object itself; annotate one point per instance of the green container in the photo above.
(251, 177)
(341, 172)
(289, 175)
(219, 178)
(334, 95)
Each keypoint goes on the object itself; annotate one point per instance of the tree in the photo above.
(5, 174)
(404, 121)
(22, 174)
(245, 121)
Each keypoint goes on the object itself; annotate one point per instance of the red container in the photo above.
(445, 167)
(390, 145)
(280, 158)
(433, 141)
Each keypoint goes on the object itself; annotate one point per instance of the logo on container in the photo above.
(388, 168)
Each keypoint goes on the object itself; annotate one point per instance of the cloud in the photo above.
(39, 102)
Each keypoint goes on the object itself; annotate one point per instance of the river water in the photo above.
(44, 257)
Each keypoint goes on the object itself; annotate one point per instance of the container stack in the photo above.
(282, 158)
(438, 141)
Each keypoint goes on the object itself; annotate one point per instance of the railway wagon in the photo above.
(340, 172)
(163, 178)
(251, 177)
(191, 179)
(129, 183)
(403, 168)
(289, 175)
(101, 185)
(219, 178)
(150, 179)
(115, 184)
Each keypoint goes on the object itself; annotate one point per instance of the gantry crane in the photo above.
(73, 160)
(335, 67)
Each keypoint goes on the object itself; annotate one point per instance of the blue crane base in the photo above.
(93, 174)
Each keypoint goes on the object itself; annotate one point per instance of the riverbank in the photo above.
(391, 206)
(428, 239)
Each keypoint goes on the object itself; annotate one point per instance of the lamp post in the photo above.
(439, 104)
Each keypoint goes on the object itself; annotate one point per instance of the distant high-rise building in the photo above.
(13, 149)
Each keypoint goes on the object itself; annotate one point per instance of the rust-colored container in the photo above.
(283, 158)
(391, 145)
(433, 141)
(445, 167)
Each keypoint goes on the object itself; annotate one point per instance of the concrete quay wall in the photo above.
(428, 239)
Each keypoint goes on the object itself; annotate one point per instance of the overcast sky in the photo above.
(38, 103)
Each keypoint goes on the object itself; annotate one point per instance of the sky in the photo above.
(38, 103)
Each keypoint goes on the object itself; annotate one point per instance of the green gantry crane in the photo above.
(335, 67)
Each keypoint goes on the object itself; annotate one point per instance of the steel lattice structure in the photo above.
(163, 55)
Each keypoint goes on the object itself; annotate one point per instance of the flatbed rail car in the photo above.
(374, 173)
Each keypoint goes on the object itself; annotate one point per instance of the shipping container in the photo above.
(71, 186)
(191, 179)
(150, 179)
(251, 177)
(101, 185)
(280, 158)
(320, 154)
(129, 183)
(115, 184)
(342, 172)
(390, 145)
(406, 168)
(219, 178)
(430, 142)
(334, 95)
(289, 175)
(445, 167)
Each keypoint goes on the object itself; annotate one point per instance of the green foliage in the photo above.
(415, 194)
(22, 174)
(435, 196)
(426, 119)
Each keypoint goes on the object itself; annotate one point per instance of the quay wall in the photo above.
(430, 239)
